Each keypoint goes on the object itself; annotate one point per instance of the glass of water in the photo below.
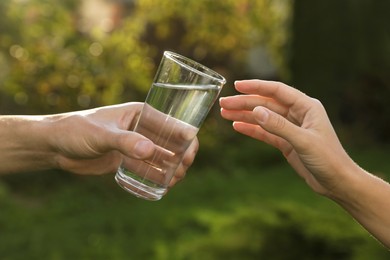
(181, 96)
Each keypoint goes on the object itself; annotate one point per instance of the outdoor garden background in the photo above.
(240, 199)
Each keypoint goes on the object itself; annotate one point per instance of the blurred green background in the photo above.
(240, 200)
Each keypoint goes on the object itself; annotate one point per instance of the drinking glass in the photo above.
(182, 94)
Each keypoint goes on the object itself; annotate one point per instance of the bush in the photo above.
(279, 231)
(50, 63)
(270, 214)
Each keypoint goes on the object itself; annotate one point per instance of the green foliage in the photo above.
(249, 211)
(222, 30)
(52, 66)
(239, 201)
(261, 231)
(251, 214)
(50, 63)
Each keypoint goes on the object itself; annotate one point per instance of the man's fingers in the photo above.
(187, 161)
(190, 153)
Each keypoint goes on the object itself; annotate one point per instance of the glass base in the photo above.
(139, 189)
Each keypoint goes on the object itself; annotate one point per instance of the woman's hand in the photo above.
(294, 123)
(299, 127)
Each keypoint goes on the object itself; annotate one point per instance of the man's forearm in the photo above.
(23, 144)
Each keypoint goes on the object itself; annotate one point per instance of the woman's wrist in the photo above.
(358, 191)
(364, 197)
(348, 177)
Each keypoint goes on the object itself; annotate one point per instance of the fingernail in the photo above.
(261, 114)
(143, 148)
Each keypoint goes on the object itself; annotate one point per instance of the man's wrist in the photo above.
(24, 144)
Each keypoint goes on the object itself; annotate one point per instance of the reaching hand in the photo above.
(299, 127)
(292, 122)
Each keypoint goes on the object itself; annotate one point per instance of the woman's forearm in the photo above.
(23, 144)
(367, 199)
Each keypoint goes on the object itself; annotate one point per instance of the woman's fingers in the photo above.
(280, 126)
(249, 102)
(240, 116)
(257, 132)
(280, 92)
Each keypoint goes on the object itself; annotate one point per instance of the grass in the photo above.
(55, 215)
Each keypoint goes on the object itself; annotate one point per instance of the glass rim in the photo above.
(213, 74)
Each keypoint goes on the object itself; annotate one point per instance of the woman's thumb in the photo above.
(275, 123)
